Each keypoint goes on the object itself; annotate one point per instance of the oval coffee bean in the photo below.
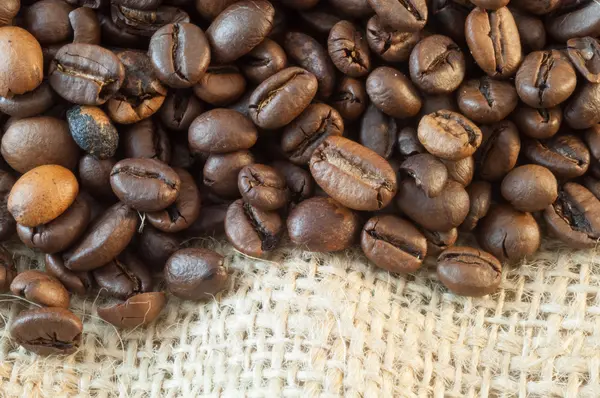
(574, 19)
(323, 225)
(378, 132)
(138, 310)
(123, 277)
(23, 73)
(263, 61)
(263, 187)
(93, 131)
(210, 9)
(566, 156)
(180, 109)
(47, 331)
(391, 45)
(583, 109)
(146, 22)
(86, 26)
(393, 93)
(48, 21)
(146, 139)
(29, 104)
(404, 15)
(195, 274)
(537, 7)
(449, 135)
(40, 288)
(530, 188)
(469, 272)
(531, 30)
(353, 175)
(79, 283)
(461, 171)
(7, 222)
(499, 150)
(221, 131)
(538, 122)
(350, 98)
(349, 50)
(450, 16)
(299, 182)
(221, 172)
(145, 184)
(393, 244)
(428, 173)
(155, 247)
(486, 100)
(585, 55)
(94, 175)
(480, 198)
(221, 85)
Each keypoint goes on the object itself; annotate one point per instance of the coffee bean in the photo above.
(322, 17)
(104, 240)
(490, 4)
(499, 150)
(299, 182)
(434, 103)
(40, 288)
(24, 73)
(583, 109)
(508, 234)
(391, 45)
(221, 131)
(221, 85)
(211, 221)
(48, 21)
(264, 61)
(93, 131)
(378, 132)
(574, 19)
(8, 11)
(195, 274)
(79, 283)
(486, 100)
(530, 188)
(538, 7)
(29, 104)
(449, 135)
(353, 175)
(94, 175)
(408, 143)
(405, 15)
(321, 224)
(123, 277)
(494, 41)
(566, 156)
(210, 9)
(393, 244)
(146, 22)
(461, 171)
(469, 272)
(393, 93)
(86, 26)
(146, 139)
(593, 185)
(592, 139)
(451, 15)
(36, 141)
(531, 30)
(7, 270)
(155, 247)
(47, 331)
(480, 198)
(138, 310)
(428, 173)
(7, 222)
(538, 123)
(349, 49)
(221, 171)
(437, 241)
(180, 109)
(585, 55)
(352, 8)
(263, 187)
(349, 99)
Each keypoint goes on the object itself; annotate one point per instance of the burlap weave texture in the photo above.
(310, 325)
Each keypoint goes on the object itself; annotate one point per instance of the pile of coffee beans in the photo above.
(131, 126)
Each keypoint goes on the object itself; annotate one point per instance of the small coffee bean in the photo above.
(180, 109)
(47, 331)
(583, 109)
(264, 61)
(93, 131)
(104, 240)
(404, 15)
(428, 173)
(79, 283)
(530, 188)
(146, 139)
(195, 274)
(574, 19)
(7, 270)
(538, 122)
(138, 310)
(461, 171)
(449, 135)
(155, 247)
(451, 16)
(469, 272)
(23, 73)
(531, 30)
(393, 244)
(94, 175)
(48, 21)
(349, 50)
(123, 277)
(263, 187)
(146, 22)
(499, 150)
(437, 241)
(221, 131)
(221, 171)
(29, 104)
(486, 100)
(7, 222)
(40, 288)
(349, 99)
(480, 198)
(378, 132)
(321, 224)
(575, 217)
(8, 10)
(537, 7)
(393, 93)
(42, 194)
(352, 174)
(508, 234)
(86, 26)
(585, 55)
(221, 85)
(391, 45)
(408, 143)
(566, 156)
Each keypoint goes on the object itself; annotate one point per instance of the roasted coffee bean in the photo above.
(7, 270)
(8, 10)
(428, 173)
(210, 9)
(530, 188)
(508, 234)
(93, 131)
(408, 143)
(264, 61)
(29, 104)
(349, 50)
(321, 224)
(451, 16)
(79, 283)
(301, 137)
(437, 65)
(566, 156)
(391, 45)
(221, 171)
(40, 288)
(486, 100)
(585, 55)
(195, 274)
(437, 242)
(490, 4)
(145, 184)
(94, 175)
(469, 272)
(263, 187)
(404, 15)
(251, 230)
(461, 171)
(23, 73)
(499, 150)
(577, 18)
(583, 109)
(393, 93)
(138, 310)
(155, 247)
(239, 28)
(104, 240)
(146, 139)
(322, 17)
(60, 233)
(537, 7)
(184, 211)
(480, 198)
(393, 244)
(441, 213)
(531, 30)
(449, 135)
(180, 109)
(352, 174)
(114, 35)
(123, 277)
(299, 182)
(47, 331)
(7, 222)
(221, 131)
(146, 22)
(180, 54)
(221, 85)
(545, 79)
(36, 141)
(349, 99)
(282, 97)
(352, 8)
(86, 26)
(378, 132)
(48, 21)
(86, 74)
(42, 194)
(538, 123)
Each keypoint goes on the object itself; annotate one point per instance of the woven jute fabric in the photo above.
(315, 325)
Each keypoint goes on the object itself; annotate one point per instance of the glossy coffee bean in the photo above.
(408, 16)
(263, 187)
(123, 277)
(221, 131)
(104, 240)
(508, 234)
(469, 272)
(221, 171)
(428, 173)
(195, 274)
(531, 30)
(93, 131)
(146, 22)
(7, 270)
(486, 100)
(180, 109)
(264, 61)
(155, 247)
(210, 9)
(48, 21)
(94, 175)
(349, 99)
(378, 132)
(146, 139)
(349, 50)
(538, 123)
(408, 143)
(530, 188)
(393, 244)
(449, 135)
(299, 182)
(29, 104)
(47, 331)
(86, 26)
(566, 156)
(584, 53)
(393, 93)
(221, 85)
(480, 198)
(321, 224)
(499, 150)
(574, 19)
(19, 75)
(461, 171)
(583, 108)
(437, 241)
(7, 222)
(389, 44)
(40, 288)
(79, 283)
(138, 310)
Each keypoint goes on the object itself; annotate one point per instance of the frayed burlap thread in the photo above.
(314, 325)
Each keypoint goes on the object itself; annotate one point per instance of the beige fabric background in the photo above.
(311, 325)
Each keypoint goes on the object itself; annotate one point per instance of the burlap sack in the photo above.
(311, 325)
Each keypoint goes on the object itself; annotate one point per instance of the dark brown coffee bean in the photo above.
(321, 224)
(264, 61)
(428, 173)
(137, 311)
(391, 45)
(508, 234)
(499, 150)
(393, 93)
(195, 274)
(180, 109)
(408, 143)
(350, 98)
(575, 217)
(349, 50)
(221, 85)
(86, 26)
(7, 270)
(29, 104)
(210, 9)
(116, 36)
(282, 97)
(378, 132)
(566, 156)
(583, 109)
(47, 331)
(352, 8)
(352, 174)
(48, 21)
(146, 22)
(486, 100)
(155, 247)
(146, 139)
(469, 272)
(7, 222)
(40, 288)
(461, 171)
(531, 30)
(300, 183)
(221, 171)
(104, 240)
(393, 244)
(537, 7)
(538, 123)
(404, 15)
(93, 131)
(79, 283)
(263, 187)
(577, 18)
(585, 56)
(94, 175)
(449, 135)
(480, 198)
(450, 16)
(221, 131)
(123, 277)
(437, 242)
(530, 188)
